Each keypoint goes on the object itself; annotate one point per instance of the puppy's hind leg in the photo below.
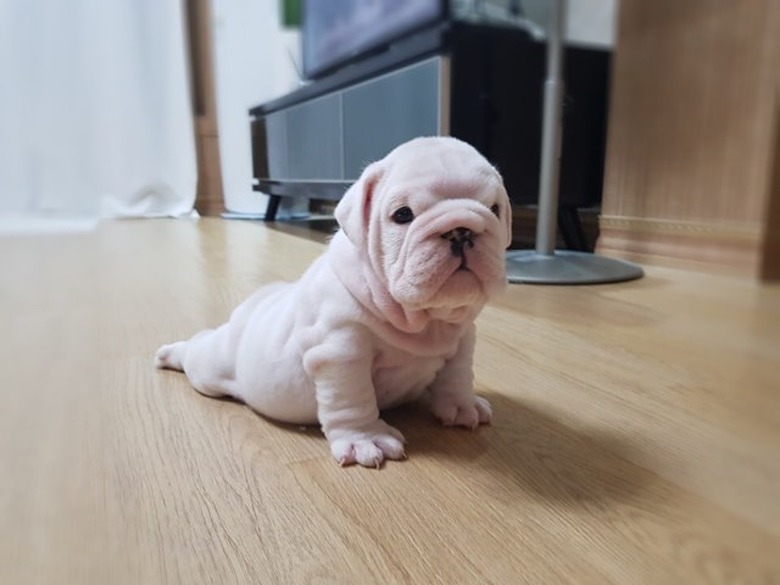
(171, 356)
(209, 358)
(206, 359)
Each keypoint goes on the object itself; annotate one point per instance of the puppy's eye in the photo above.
(495, 210)
(403, 215)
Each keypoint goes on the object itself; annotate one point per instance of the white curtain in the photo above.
(95, 110)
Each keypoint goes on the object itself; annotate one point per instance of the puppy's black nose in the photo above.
(459, 238)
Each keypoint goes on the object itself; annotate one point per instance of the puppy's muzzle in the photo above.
(460, 238)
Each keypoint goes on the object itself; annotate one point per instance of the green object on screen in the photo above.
(291, 13)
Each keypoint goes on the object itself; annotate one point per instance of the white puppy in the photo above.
(385, 316)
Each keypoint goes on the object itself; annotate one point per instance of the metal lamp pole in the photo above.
(545, 265)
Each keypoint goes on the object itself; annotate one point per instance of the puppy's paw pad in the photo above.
(367, 447)
(453, 413)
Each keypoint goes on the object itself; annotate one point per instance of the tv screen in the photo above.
(336, 32)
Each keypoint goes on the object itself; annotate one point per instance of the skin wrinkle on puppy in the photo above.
(384, 316)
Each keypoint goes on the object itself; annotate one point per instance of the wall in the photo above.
(253, 58)
(691, 166)
(588, 22)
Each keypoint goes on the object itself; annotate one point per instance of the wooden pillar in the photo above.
(692, 174)
(209, 199)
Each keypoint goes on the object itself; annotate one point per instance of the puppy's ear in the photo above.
(353, 211)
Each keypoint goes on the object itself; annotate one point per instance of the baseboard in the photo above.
(712, 247)
(524, 221)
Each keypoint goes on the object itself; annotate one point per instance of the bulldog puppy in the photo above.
(384, 316)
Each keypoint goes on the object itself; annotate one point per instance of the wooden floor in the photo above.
(636, 435)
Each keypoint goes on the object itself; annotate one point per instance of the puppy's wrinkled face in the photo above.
(437, 221)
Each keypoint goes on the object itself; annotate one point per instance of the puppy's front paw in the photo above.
(469, 413)
(368, 446)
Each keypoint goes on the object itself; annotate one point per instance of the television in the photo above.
(338, 32)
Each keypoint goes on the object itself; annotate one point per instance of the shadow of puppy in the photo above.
(527, 451)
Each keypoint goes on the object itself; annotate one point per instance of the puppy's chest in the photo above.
(399, 376)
